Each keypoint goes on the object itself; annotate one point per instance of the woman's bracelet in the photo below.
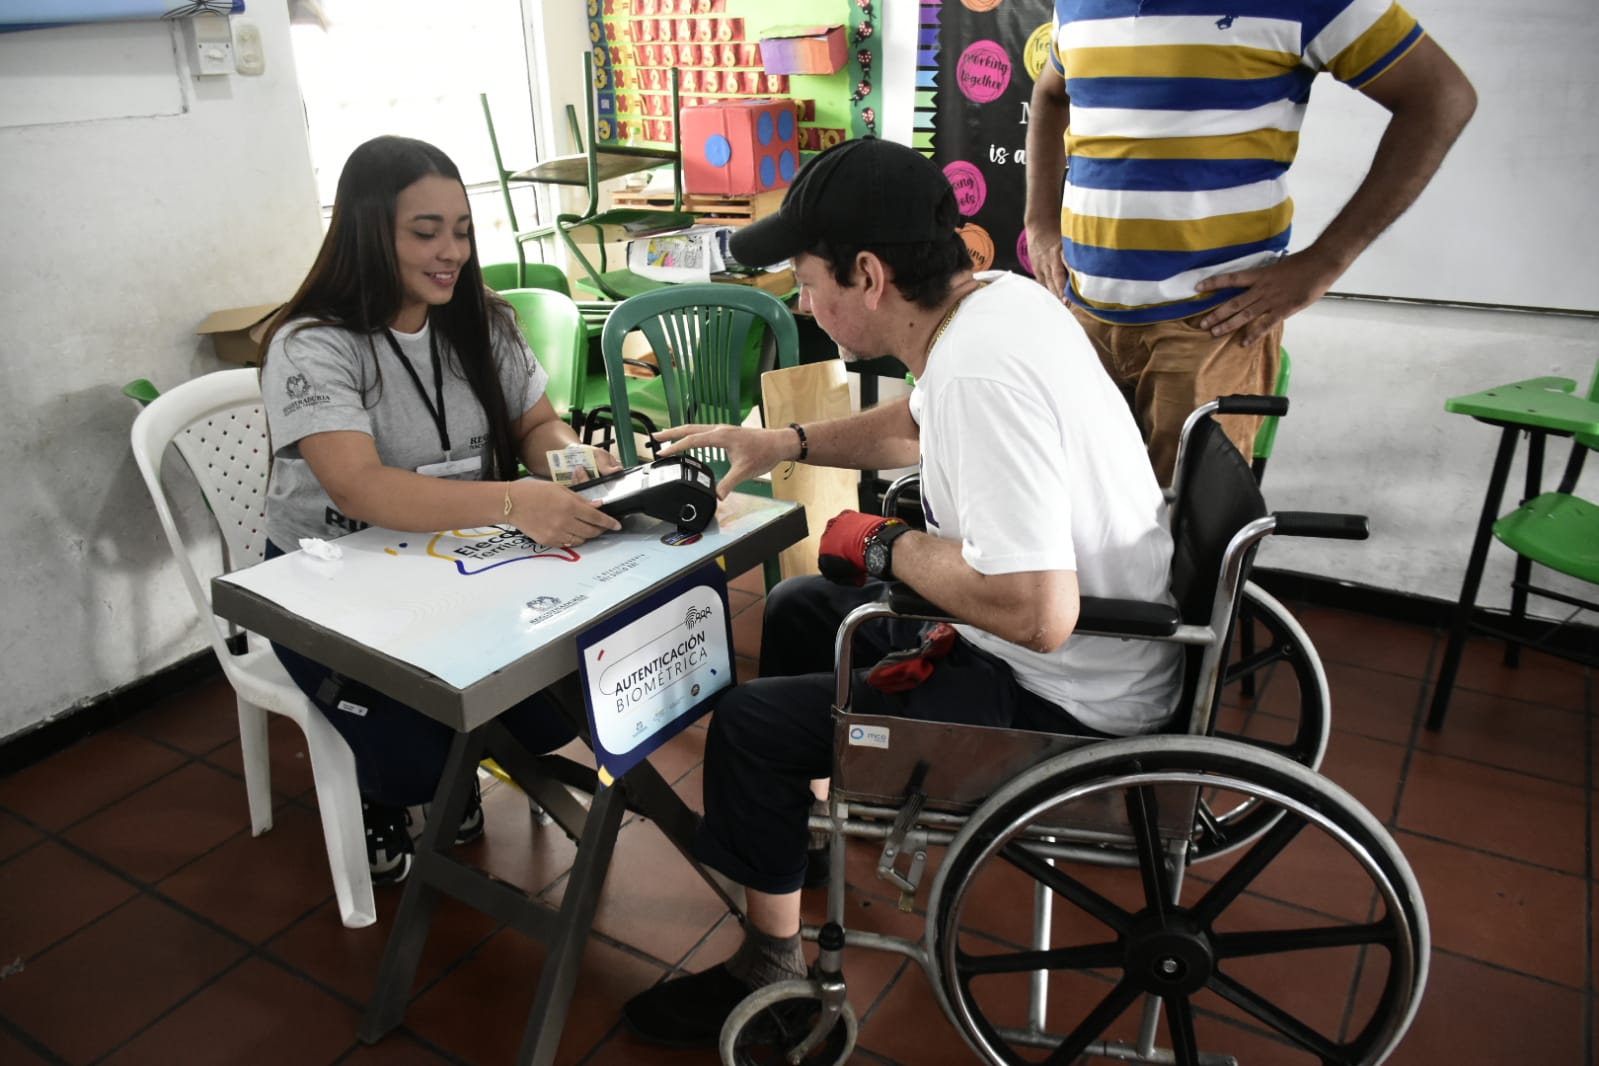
(505, 512)
(805, 445)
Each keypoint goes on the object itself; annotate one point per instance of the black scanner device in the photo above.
(679, 489)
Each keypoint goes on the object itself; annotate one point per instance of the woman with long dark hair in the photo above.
(399, 392)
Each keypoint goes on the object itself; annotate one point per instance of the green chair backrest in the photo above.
(141, 392)
(1266, 436)
(554, 330)
(707, 339)
(503, 276)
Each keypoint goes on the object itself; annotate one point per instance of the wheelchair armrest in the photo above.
(1321, 524)
(1132, 618)
(1264, 406)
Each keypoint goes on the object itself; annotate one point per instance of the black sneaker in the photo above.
(687, 1012)
(388, 844)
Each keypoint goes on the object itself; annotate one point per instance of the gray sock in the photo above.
(765, 960)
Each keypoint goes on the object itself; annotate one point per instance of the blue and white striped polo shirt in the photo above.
(1185, 116)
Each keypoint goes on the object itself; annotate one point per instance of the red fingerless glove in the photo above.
(901, 671)
(842, 557)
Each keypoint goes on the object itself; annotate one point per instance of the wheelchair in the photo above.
(1158, 867)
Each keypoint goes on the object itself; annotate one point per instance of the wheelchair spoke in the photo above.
(1099, 1019)
(1277, 941)
(1151, 864)
(1180, 1024)
(1247, 868)
(1271, 1014)
(1084, 957)
(1074, 891)
(1253, 664)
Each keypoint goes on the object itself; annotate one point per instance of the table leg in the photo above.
(1468, 589)
(409, 935)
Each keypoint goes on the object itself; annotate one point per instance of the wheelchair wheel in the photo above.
(1323, 891)
(773, 1019)
(1274, 696)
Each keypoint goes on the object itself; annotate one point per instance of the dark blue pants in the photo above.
(771, 737)
(399, 751)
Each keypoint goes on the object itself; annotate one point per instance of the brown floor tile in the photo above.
(197, 720)
(1529, 737)
(624, 1049)
(256, 1013)
(680, 754)
(15, 835)
(747, 630)
(257, 886)
(1368, 769)
(15, 1053)
(90, 994)
(50, 892)
(84, 778)
(691, 788)
(513, 849)
(167, 824)
(1373, 703)
(1473, 1013)
(653, 899)
(346, 960)
(1540, 678)
(479, 1011)
(287, 756)
(738, 599)
(752, 581)
(1502, 912)
(747, 668)
(909, 1026)
(1362, 640)
(1496, 810)
(396, 1049)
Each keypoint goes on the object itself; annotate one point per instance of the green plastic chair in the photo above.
(140, 391)
(1558, 530)
(1266, 435)
(709, 341)
(554, 329)
(503, 276)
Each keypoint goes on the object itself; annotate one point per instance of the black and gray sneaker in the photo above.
(388, 845)
(471, 827)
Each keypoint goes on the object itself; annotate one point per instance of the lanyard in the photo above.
(440, 416)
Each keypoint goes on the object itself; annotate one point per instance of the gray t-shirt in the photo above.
(319, 379)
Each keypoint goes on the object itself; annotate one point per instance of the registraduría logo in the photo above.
(298, 386)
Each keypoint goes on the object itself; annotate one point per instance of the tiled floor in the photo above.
(141, 923)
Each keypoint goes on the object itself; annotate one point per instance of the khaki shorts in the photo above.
(1166, 369)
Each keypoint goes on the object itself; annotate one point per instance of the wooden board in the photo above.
(810, 393)
(710, 210)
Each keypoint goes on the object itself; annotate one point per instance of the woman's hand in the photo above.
(556, 516)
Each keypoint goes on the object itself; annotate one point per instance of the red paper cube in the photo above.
(739, 147)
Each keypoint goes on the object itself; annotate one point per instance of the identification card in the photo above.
(452, 467)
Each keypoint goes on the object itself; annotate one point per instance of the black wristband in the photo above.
(805, 445)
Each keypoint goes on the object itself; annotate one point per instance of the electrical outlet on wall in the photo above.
(249, 58)
(213, 45)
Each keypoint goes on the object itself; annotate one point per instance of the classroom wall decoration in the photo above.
(716, 47)
(976, 64)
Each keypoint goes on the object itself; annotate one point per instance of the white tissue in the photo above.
(321, 549)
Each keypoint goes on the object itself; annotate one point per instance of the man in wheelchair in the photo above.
(1035, 492)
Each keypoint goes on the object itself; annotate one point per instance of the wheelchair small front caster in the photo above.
(772, 1020)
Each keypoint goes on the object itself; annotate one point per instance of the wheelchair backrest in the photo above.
(1217, 497)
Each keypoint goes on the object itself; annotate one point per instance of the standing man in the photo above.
(1035, 491)
(1175, 122)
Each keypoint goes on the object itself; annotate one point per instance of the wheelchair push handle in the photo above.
(1322, 524)
(1265, 406)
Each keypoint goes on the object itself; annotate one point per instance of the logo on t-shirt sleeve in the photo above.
(300, 395)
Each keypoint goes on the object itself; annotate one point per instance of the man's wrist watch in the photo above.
(879, 553)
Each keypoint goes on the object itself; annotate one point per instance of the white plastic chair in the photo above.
(217, 425)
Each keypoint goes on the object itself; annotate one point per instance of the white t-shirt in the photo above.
(1031, 459)
(319, 379)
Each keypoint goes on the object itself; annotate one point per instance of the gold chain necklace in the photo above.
(949, 316)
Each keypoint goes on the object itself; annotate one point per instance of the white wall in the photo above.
(122, 234)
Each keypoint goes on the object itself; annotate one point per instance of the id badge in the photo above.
(452, 467)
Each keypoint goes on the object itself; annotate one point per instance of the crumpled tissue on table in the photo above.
(321, 549)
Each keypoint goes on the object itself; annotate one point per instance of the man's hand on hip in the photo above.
(1271, 294)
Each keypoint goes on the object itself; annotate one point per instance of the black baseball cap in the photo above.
(863, 192)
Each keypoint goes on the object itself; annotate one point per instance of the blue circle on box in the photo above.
(768, 171)
(785, 125)
(764, 128)
(717, 150)
(787, 165)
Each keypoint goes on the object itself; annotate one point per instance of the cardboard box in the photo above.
(236, 332)
(803, 49)
(739, 147)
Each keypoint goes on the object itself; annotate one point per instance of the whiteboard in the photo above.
(1512, 217)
